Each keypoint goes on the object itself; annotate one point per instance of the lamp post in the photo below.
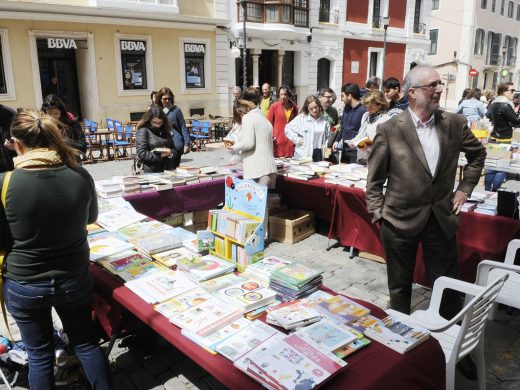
(503, 72)
(243, 3)
(386, 22)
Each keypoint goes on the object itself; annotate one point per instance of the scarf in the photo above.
(374, 117)
(503, 99)
(39, 157)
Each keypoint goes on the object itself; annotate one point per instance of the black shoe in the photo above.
(467, 368)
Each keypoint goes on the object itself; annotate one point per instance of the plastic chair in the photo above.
(457, 341)
(122, 141)
(110, 124)
(199, 133)
(490, 270)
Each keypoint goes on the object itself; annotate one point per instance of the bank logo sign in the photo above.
(133, 46)
(61, 43)
(194, 48)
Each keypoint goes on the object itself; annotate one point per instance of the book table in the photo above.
(160, 204)
(479, 237)
(374, 367)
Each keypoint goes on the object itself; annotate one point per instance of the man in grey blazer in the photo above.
(416, 153)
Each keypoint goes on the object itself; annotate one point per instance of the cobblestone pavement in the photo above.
(146, 361)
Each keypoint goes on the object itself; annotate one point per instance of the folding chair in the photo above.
(122, 141)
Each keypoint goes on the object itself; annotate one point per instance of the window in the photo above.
(435, 5)
(194, 65)
(510, 44)
(483, 4)
(6, 72)
(493, 5)
(495, 41)
(502, 7)
(376, 13)
(510, 10)
(518, 12)
(417, 25)
(195, 59)
(375, 62)
(434, 35)
(133, 64)
(479, 42)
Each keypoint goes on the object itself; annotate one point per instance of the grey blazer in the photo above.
(412, 192)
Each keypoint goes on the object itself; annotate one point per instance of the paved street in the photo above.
(149, 362)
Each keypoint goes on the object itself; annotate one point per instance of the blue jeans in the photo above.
(30, 305)
(494, 180)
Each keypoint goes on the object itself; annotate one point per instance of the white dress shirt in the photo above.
(429, 139)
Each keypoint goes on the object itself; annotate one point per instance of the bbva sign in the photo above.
(194, 48)
(61, 43)
(133, 45)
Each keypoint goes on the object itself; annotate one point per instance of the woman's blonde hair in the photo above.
(376, 97)
(38, 130)
(241, 108)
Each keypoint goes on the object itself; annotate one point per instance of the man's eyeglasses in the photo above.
(328, 96)
(432, 86)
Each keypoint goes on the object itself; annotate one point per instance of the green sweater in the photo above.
(47, 213)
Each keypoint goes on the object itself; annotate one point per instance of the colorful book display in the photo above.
(291, 315)
(342, 310)
(247, 295)
(239, 227)
(295, 281)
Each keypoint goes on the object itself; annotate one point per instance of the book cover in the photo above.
(211, 341)
(106, 246)
(160, 286)
(158, 243)
(293, 314)
(364, 322)
(211, 268)
(205, 240)
(327, 335)
(207, 317)
(296, 274)
(342, 310)
(246, 340)
(220, 282)
(178, 257)
(182, 302)
(351, 347)
(247, 295)
(397, 334)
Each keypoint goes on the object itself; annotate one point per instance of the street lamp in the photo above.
(503, 72)
(243, 3)
(386, 22)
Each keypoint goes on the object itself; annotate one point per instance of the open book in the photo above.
(359, 141)
(161, 150)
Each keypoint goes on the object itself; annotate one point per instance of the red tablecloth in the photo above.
(159, 204)
(479, 236)
(374, 367)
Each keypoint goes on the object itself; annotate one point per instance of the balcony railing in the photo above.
(419, 28)
(329, 15)
(295, 12)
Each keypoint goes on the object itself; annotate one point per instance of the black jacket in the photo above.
(146, 141)
(6, 155)
(74, 136)
(503, 118)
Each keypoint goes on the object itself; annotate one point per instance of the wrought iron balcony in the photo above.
(329, 15)
(419, 28)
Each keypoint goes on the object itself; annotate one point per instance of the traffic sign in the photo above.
(504, 72)
(473, 72)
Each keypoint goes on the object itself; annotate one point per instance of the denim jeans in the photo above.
(494, 180)
(30, 305)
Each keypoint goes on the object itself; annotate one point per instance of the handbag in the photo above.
(3, 253)
(137, 167)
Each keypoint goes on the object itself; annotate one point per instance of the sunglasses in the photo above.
(511, 90)
(432, 86)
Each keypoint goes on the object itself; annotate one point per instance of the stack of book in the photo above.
(129, 265)
(157, 243)
(290, 363)
(102, 246)
(292, 315)
(295, 281)
(180, 258)
(129, 184)
(489, 206)
(263, 269)
(161, 286)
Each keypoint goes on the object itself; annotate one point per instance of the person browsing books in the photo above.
(48, 203)
(154, 144)
(376, 105)
(281, 113)
(416, 154)
(309, 130)
(255, 142)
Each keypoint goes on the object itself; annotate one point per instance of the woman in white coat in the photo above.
(255, 142)
(309, 130)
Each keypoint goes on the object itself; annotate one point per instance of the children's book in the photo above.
(129, 265)
(160, 286)
(291, 363)
(106, 246)
(295, 274)
(364, 322)
(177, 258)
(342, 310)
(316, 297)
(118, 218)
(211, 341)
(262, 269)
(218, 283)
(211, 268)
(182, 302)
(327, 335)
(157, 243)
(247, 339)
(291, 315)
(351, 347)
(397, 334)
(205, 240)
(207, 317)
(247, 295)
(142, 229)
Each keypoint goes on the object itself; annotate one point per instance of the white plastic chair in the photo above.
(457, 341)
(490, 270)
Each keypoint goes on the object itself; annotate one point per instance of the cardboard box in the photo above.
(291, 226)
(498, 150)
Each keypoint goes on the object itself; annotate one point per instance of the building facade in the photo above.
(315, 43)
(474, 34)
(105, 57)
